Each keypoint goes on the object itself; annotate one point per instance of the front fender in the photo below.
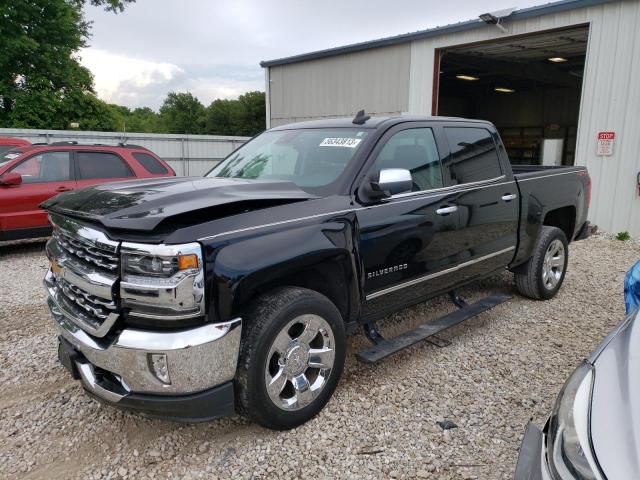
(323, 257)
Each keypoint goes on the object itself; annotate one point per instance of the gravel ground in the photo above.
(502, 368)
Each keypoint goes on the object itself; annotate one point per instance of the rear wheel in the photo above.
(291, 357)
(543, 275)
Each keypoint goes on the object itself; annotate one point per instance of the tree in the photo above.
(244, 116)
(222, 117)
(40, 75)
(144, 120)
(182, 113)
(252, 114)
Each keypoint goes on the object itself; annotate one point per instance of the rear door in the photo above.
(94, 167)
(486, 196)
(44, 175)
(406, 241)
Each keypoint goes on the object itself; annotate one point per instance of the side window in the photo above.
(150, 164)
(92, 165)
(414, 150)
(473, 155)
(45, 167)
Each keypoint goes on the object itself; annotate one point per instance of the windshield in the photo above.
(306, 157)
(7, 156)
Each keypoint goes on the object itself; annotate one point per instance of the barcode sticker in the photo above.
(340, 142)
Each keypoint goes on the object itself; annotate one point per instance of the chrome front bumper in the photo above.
(196, 359)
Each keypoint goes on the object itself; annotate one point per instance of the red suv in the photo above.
(7, 143)
(32, 174)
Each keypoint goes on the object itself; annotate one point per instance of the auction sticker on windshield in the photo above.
(340, 142)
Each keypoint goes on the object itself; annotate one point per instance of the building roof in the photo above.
(536, 11)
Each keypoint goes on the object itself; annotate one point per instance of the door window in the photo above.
(414, 150)
(92, 165)
(45, 167)
(474, 157)
(149, 163)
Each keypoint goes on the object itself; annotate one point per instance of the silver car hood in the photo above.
(615, 409)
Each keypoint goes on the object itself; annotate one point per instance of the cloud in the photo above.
(125, 80)
(213, 49)
(134, 82)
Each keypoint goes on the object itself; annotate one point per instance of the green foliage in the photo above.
(623, 236)
(42, 84)
(244, 116)
(182, 113)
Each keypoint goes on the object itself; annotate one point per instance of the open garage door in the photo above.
(529, 86)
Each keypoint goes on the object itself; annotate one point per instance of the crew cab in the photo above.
(192, 298)
(31, 174)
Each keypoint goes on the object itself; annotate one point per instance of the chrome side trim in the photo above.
(574, 172)
(431, 276)
(413, 196)
(467, 186)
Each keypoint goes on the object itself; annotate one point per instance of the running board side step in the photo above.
(385, 348)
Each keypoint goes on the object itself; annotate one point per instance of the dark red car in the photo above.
(31, 174)
(8, 143)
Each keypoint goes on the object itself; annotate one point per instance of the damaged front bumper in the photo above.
(185, 375)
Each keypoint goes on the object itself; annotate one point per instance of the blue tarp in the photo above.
(632, 289)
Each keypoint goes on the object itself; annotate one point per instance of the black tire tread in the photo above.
(259, 314)
(527, 280)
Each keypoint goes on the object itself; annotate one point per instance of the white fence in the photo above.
(187, 154)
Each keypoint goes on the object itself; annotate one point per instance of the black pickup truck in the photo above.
(192, 298)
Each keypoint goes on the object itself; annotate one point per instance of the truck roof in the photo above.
(373, 122)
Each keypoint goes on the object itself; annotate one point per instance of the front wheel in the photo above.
(291, 357)
(543, 275)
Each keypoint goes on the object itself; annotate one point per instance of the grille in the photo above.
(90, 305)
(87, 251)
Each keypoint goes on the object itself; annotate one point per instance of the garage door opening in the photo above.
(528, 86)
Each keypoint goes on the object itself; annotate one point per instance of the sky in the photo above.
(213, 48)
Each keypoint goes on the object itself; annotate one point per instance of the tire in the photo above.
(544, 273)
(278, 347)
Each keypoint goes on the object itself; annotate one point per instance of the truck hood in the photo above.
(615, 407)
(143, 205)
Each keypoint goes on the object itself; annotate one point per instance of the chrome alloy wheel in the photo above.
(553, 265)
(300, 362)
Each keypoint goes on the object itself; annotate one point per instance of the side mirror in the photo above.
(11, 179)
(390, 181)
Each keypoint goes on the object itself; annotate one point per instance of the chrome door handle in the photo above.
(509, 196)
(446, 210)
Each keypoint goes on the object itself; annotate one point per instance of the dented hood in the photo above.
(141, 205)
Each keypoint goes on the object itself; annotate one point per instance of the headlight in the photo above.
(164, 282)
(569, 451)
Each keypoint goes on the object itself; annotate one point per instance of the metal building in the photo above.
(561, 82)
(187, 154)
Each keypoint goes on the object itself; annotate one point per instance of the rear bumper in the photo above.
(585, 231)
(185, 375)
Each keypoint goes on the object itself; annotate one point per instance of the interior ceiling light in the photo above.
(557, 59)
(469, 78)
(504, 90)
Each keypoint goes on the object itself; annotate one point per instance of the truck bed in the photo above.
(561, 192)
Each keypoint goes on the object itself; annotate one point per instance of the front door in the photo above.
(407, 241)
(44, 175)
